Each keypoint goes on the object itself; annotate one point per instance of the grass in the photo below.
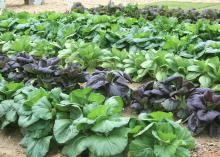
(188, 5)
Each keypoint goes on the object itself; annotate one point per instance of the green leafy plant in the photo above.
(84, 123)
(137, 66)
(161, 138)
(169, 95)
(114, 59)
(204, 71)
(88, 55)
(21, 44)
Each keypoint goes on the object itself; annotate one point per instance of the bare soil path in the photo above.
(207, 147)
(9, 145)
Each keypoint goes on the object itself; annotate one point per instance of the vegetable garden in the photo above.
(67, 80)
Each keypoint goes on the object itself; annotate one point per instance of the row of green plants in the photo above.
(150, 12)
(80, 57)
(86, 123)
(47, 33)
(169, 95)
(145, 50)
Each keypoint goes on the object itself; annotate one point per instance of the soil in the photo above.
(207, 147)
(62, 5)
(9, 146)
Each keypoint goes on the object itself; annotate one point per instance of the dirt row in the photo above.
(10, 147)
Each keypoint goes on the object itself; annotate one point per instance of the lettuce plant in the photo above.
(161, 137)
(47, 72)
(169, 95)
(204, 71)
(110, 83)
(114, 59)
(137, 66)
(85, 123)
(22, 44)
(205, 108)
(88, 55)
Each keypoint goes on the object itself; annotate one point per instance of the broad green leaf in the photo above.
(184, 134)
(161, 115)
(76, 146)
(205, 81)
(57, 95)
(109, 145)
(12, 87)
(39, 129)
(194, 68)
(89, 108)
(107, 125)
(64, 130)
(168, 150)
(100, 145)
(182, 152)
(34, 96)
(38, 147)
(5, 107)
(115, 105)
(147, 64)
(26, 120)
(216, 88)
(8, 113)
(21, 44)
(96, 97)
(130, 70)
(161, 75)
(43, 109)
(192, 75)
(142, 147)
(165, 137)
(172, 42)
(11, 115)
(83, 123)
(99, 111)
(80, 96)
(75, 112)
